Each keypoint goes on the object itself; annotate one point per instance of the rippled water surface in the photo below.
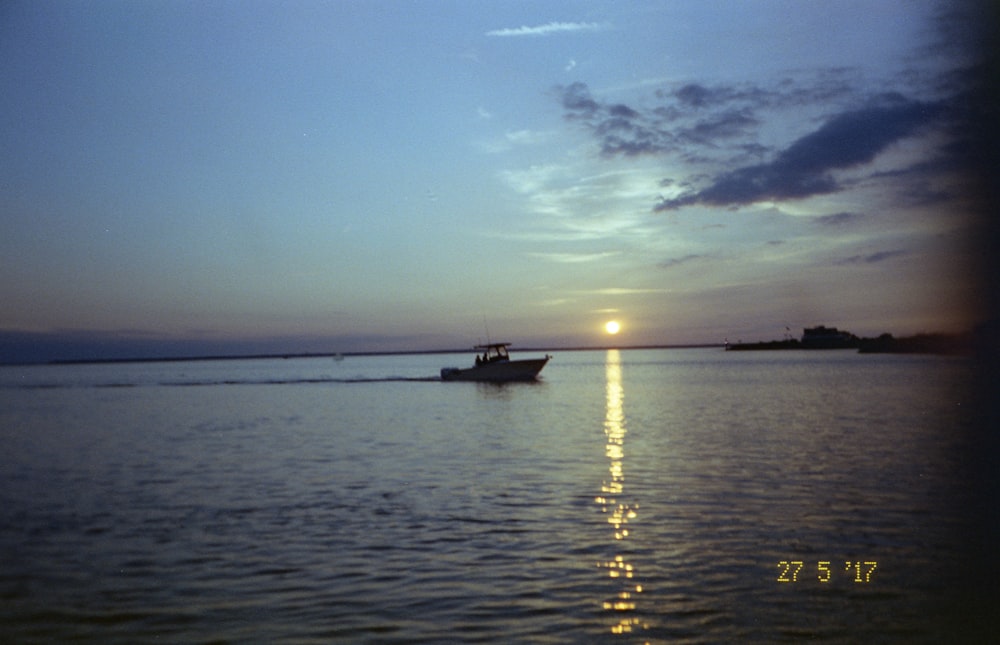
(633, 496)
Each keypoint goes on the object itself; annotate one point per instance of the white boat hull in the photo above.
(498, 372)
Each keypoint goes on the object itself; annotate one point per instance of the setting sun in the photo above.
(612, 327)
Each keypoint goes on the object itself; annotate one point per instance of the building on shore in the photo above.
(828, 338)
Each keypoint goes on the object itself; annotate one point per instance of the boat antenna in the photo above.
(488, 341)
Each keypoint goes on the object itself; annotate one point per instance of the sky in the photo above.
(211, 177)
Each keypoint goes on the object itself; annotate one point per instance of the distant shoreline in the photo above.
(412, 352)
(924, 343)
(937, 343)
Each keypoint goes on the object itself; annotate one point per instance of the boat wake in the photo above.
(304, 381)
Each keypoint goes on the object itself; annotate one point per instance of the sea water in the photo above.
(663, 496)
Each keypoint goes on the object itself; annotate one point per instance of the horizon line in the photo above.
(294, 355)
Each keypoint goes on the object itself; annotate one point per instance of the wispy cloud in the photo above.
(546, 29)
(873, 258)
(510, 140)
(624, 291)
(839, 219)
(672, 262)
(576, 204)
(526, 137)
(574, 258)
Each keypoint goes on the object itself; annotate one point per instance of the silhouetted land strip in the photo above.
(919, 344)
(936, 343)
(769, 344)
(414, 352)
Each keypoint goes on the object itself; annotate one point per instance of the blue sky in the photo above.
(181, 177)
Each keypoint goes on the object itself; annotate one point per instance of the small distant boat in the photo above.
(494, 365)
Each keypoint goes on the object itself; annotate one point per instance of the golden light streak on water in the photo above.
(620, 511)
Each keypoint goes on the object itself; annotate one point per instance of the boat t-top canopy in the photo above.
(492, 352)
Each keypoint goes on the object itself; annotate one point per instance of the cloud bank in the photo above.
(716, 133)
(803, 169)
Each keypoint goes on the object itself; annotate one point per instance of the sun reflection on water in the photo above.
(612, 502)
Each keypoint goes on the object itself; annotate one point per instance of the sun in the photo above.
(612, 327)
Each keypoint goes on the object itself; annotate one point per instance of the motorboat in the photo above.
(494, 365)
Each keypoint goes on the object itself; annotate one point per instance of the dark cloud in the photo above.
(577, 101)
(623, 111)
(839, 219)
(873, 258)
(629, 132)
(856, 137)
(803, 169)
(726, 125)
(696, 95)
(747, 185)
(715, 130)
(672, 262)
(693, 120)
(621, 129)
